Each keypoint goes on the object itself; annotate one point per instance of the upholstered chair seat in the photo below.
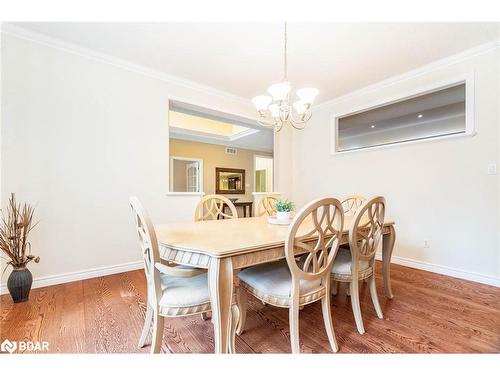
(342, 265)
(272, 283)
(184, 296)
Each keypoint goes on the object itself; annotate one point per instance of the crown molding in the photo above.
(425, 69)
(216, 137)
(22, 33)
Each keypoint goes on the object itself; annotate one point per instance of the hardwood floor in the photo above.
(430, 313)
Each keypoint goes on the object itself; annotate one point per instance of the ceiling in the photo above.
(192, 123)
(245, 58)
(200, 128)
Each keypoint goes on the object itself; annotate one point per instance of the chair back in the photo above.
(211, 207)
(366, 229)
(316, 232)
(352, 203)
(265, 206)
(149, 248)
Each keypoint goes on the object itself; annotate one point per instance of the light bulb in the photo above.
(262, 102)
(307, 94)
(275, 110)
(300, 107)
(279, 91)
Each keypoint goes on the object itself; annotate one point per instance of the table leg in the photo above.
(220, 284)
(387, 247)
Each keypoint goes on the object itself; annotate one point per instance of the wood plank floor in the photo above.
(430, 313)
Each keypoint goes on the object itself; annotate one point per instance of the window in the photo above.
(437, 113)
(186, 175)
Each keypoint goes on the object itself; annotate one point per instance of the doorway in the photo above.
(264, 176)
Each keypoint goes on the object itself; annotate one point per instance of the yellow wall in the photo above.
(180, 175)
(214, 156)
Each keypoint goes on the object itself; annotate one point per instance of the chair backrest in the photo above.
(265, 206)
(211, 207)
(352, 203)
(150, 249)
(366, 229)
(316, 231)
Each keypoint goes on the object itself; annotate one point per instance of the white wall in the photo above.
(81, 133)
(437, 191)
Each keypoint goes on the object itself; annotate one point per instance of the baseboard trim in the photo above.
(444, 270)
(80, 275)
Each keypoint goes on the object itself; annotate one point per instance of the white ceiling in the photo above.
(245, 58)
(259, 140)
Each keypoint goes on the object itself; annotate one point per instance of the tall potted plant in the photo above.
(16, 225)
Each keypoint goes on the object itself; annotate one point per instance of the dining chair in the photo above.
(358, 261)
(211, 207)
(172, 290)
(351, 204)
(293, 282)
(265, 206)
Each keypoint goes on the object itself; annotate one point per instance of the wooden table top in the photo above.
(219, 238)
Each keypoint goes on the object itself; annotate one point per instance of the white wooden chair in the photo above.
(265, 206)
(351, 204)
(172, 291)
(211, 207)
(292, 283)
(358, 261)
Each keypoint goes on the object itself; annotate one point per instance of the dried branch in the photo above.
(15, 227)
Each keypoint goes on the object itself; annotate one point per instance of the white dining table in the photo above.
(225, 246)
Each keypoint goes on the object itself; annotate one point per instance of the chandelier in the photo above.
(275, 110)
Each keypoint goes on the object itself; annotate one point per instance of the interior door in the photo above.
(193, 177)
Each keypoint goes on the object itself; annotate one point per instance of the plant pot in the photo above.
(19, 284)
(283, 216)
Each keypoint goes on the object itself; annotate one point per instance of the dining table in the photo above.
(225, 246)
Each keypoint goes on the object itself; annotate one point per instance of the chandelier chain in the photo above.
(276, 111)
(285, 54)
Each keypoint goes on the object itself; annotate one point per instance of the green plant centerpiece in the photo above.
(283, 209)
(15, 227)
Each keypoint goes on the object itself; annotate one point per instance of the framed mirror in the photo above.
(229, 181)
